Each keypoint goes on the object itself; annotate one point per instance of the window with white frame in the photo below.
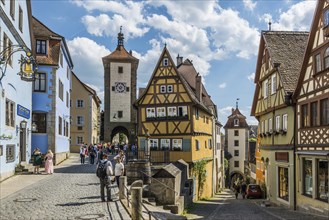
(210, 143)
(10, 153)
(270, 125)
(165, 62)
(60, 125)
(154, 145)
(170, 88)
(161, 111)
(163, 89)
(177, 144)
(277, 123)
(273, 84)
(80, 103)
(263, 127)
(236, 122)
(318, 66)
(172, 111)
(197, 145)
(285, 122)
(165, 144)
(150, 112)
(182, 111)
(10, 113)
(79, 140)
(40, 82)
(60, 89)
(265, 89)
(20, 19)
(80, 120)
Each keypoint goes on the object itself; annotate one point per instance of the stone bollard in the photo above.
(122, 187)
(136, 203)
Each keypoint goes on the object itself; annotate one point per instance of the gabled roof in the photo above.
(41, 31)
(285, 48)
(236, 114)
(186, 73)
(316, 17)
(89, 89)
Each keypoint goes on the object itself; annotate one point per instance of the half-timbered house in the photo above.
(178, 114)
(312, 114)
(279, 60)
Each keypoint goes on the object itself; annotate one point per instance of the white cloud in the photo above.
(222, 85)
(251, 77)
(87, 58)
(249, 4)
(297, 17)
(113, 15)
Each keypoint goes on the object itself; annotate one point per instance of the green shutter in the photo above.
(186, 144)
(142, 144)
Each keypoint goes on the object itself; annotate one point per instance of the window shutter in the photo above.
(142, 144)
(186, 145)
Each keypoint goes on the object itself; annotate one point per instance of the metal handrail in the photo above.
(160, 182)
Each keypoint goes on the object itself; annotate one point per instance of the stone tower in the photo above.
(120, 79)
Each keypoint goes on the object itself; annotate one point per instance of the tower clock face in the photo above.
(120, 87)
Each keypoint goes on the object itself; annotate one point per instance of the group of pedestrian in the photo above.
(106, 179)
(240, 188)
(38, 161)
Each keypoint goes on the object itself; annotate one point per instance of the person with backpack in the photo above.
(104, 171)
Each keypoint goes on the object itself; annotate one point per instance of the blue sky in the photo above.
(221, 37)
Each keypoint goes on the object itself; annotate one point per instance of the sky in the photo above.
(220, 37)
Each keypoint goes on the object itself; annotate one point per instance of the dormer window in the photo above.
(236, 122)
(41, 47)
(326, 22)
(165, 62)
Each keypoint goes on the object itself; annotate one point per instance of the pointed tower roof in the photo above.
(120, 52)
(236, 114)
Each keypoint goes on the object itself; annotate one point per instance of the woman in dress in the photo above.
(37, 160)
(49, 166)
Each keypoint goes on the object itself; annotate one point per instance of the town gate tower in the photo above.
(120, 79)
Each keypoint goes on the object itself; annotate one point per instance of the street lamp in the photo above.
(147, 150)
(28, 64)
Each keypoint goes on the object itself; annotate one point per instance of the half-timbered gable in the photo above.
(177, 112)
(312, 117)
(279, 61)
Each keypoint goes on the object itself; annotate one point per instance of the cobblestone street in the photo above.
(225, 206)
(72, 192)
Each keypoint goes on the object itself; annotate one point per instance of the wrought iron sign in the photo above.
(28, 64)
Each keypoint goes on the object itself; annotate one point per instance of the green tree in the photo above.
(200, 173)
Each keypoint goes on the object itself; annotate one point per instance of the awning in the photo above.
(313, 152)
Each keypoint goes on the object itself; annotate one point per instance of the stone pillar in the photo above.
(136, 203)
(122, 187)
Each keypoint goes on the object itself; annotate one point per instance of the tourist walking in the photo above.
(119, 170)
(104, 171)
(49, 164)
(82, 154)
(37, 160)
(243, 189)
(236, 190)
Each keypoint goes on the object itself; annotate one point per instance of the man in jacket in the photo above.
(105, 181)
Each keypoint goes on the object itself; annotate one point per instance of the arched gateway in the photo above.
(120, 78)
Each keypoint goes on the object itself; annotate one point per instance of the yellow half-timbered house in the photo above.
(312, 114)
(279, 61)
(179, 116)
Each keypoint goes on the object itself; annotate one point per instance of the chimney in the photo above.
(198, 87)
(179, 60)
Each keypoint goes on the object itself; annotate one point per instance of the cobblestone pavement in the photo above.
(225, 206)
(72, 192)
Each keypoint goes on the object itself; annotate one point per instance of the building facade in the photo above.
(51, 92)
(218, 171)
(177, 113)
(120, 78)
(236, 139)
(312, 118)
(15, 94)
(85, 114)
(279, 61)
